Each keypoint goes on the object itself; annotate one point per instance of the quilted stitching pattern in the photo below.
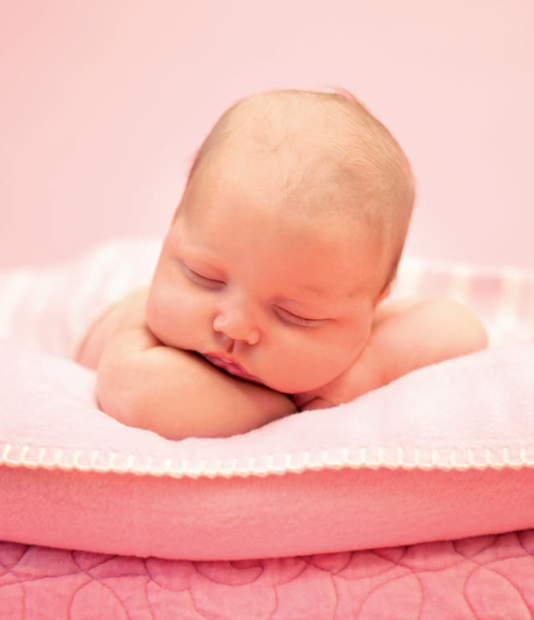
(480, 578)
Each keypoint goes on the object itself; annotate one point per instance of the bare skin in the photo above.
(219, 345)
(178, 394)
(269, 296)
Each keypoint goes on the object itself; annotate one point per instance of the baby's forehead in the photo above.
(314, 252)
(294, 188)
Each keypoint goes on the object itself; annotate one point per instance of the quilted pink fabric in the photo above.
(484, 578)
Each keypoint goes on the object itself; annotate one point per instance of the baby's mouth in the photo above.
(229, 365)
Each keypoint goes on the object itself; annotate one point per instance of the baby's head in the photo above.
(289, 233)
(325, 155)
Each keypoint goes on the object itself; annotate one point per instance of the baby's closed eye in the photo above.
(202, 280)
(296, 319)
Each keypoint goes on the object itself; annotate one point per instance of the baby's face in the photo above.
(266, 294)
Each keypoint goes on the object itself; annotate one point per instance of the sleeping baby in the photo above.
(269, 296)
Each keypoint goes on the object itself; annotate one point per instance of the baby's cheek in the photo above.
(342, 351)
(157, 312)
(177, 318)
(311, 367)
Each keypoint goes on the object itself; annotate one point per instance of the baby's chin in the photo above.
(239, 373)
(293, 389)
(305, 387)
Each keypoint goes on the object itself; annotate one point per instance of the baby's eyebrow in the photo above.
(304, 293)
(321, 292)
(315, 303)
(311, 290)
(192, 252)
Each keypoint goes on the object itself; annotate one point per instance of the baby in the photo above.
(268, 296)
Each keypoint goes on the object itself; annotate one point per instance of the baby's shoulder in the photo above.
(412, 333)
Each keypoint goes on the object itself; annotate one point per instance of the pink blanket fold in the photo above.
(434, 455)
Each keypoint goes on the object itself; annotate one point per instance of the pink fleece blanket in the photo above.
(347, 507)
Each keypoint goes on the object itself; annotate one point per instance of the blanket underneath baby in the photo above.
(435, 454)
(442, 454)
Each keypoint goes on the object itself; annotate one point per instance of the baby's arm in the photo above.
(406, 335)
(177, 394)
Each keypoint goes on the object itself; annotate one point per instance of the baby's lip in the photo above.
(230, 365)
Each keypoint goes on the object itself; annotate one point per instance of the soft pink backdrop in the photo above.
(103, 102)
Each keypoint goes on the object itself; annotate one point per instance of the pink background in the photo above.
(103, 103)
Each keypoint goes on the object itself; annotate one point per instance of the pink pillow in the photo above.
(445, 452)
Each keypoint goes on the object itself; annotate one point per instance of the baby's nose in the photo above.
(237, 324)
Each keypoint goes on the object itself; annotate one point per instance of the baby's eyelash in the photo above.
(201, 280)
(295, 319)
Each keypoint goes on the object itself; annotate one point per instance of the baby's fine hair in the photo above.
(340, 142)
(365, 140)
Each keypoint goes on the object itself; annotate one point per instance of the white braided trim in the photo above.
(265, 465)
